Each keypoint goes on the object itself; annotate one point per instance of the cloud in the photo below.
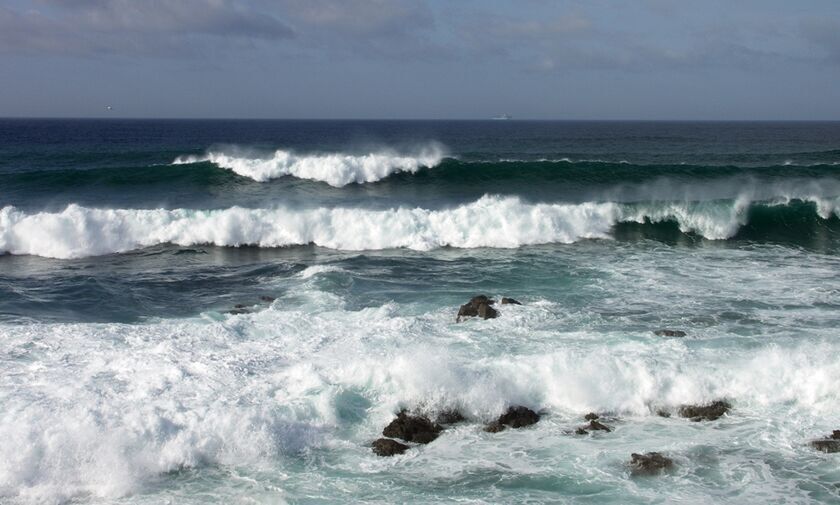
(133, 27)
(824, 33)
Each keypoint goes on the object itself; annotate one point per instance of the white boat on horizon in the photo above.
(502, 117)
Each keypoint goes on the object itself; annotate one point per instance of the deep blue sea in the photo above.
(196, 312)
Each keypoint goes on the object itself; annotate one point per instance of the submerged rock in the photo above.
(708, 412)
(515, 417)
(418, 429)
(267, 299)
(450, 417)
(388, 447)
(509, 301)
(669, 333)
(830, 443)
(649, 463)
(240, 308)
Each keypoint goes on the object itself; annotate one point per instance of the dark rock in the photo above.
(708, 412)
(267, 299)
(473, 307)
(416, 429)
(494, 427)
(830, 443)
(515, 417)
(591, 416)
(239, 308)
(826, 445)
(581, 431)
(485, 311)
(450, 417)
(663, 413)
(649, 463)
(388, 447)
(596, 426)
(669, 333)
(476, 300)
(509, 301)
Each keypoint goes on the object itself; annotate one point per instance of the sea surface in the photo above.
(200, 312)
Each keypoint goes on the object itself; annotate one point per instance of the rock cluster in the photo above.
(515, 417)
(481, 306)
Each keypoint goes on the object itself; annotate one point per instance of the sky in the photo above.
(424, 59)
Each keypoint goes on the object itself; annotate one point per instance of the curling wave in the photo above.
(491, 221)
(336, 169)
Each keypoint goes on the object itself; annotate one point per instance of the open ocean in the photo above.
(199, 312)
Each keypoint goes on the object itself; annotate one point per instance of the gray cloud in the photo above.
(132, 27)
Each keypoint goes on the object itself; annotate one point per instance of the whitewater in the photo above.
(214, 312)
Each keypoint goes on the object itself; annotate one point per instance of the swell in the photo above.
(489, 222)
(449, 173)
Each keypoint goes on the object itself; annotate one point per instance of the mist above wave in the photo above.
(335, 169)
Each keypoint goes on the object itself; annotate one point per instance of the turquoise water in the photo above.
(126, 379)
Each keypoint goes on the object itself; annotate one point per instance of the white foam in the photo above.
(491, 221)
(336, 169)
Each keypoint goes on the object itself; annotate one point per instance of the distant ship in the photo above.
(503, 117)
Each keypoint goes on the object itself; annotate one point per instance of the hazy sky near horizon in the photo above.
(597, 59)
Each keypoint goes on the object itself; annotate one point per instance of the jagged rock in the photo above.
(474, 308)
(669, 333)
(509, 301)
(591, 416)
(416, 429)
(388, 447)
(708, 412)
(649, 463)
(829, 444)
(450, 417)
(515, 417)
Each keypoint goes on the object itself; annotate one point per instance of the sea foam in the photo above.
(491, 221)
(336, 169)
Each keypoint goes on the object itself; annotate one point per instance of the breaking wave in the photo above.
(491, 221)
(336, 169)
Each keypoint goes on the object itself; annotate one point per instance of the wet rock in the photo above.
(267, 299)
(581, 431)
(830, 443)
(474, 307)
(669, 333)
(649, 463)
(485, 311)
(591, 416)
(509, 301)
(388, 447)
(596, 426)
(450, 417)
(416, 429)
(515, 417)
(663, 413)
(708, 412)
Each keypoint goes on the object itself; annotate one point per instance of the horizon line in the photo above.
(523, 119)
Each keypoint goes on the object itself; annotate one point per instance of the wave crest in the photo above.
(335, 169)
(491, 221)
